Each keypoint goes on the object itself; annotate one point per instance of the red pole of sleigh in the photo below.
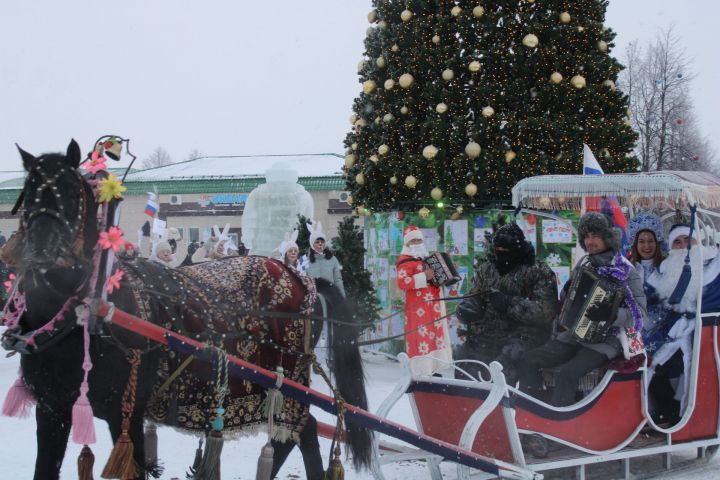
(267, 379)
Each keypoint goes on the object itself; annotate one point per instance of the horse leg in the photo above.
(310, 449)
(53, 430)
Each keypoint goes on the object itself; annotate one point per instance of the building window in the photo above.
(193, 234)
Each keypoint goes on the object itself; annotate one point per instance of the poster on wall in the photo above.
(480, 239)
(460, 287)
(395, 236)
(528, 224)
(383, 240)
(431, 238)
(456, 237)
(556, 231)
(562, 275)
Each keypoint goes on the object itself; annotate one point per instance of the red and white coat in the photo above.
(421, 307)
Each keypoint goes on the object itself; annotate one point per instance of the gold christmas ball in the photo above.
(455, 216)
(393, 180)
(395, 47)
(478, 11)
(382, 24)
(388, 117)
(369, 86)
(372, 16)
(530, 40)
(361, 65)
(531, 1)
(406, 80)
(628, 112)
(474, 66)
(436, 193)
(383, 149)
(429, 152)
(354, 146)
(374, 158)
(389, 84)
(369, 31)
(610, 84)
(602, 46)
(556, 77)
(472, 150)
(349, 200)
(510, 156)
(627, 122)
(406, 15)
(404, 110)
(380, 62)
(436, 39)
(410, 181)
(459, 209)
(360, 179)
(565, 17)
(581, 29)
(471, 189)
(578, 81)
(350, 160)
(456, 11)
(441, 107)
(488, 112)
(361, 122)
(377, 120)
(424, 212)
(353, 118)
(448, 74)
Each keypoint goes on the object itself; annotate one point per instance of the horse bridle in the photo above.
(76, 228)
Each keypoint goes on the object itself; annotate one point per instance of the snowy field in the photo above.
(239, 458)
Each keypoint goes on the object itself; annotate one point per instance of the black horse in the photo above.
(54, 250)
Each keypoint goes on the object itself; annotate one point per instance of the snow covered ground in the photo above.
(239, 458)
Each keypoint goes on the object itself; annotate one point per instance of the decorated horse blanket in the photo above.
(220, 303)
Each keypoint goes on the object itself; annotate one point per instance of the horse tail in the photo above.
(347, 368)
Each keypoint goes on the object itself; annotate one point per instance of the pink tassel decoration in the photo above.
(83, 428)
(18, 401)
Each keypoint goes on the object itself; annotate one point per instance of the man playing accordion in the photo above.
(594, 338)
(423, 337)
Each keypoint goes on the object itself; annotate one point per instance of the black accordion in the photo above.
(444, 271)
(591, 306)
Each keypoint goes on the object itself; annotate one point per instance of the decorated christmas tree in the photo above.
(461, 99)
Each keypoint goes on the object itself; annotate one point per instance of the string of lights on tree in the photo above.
(461, 99)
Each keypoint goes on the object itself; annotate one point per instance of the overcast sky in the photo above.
(229, 77)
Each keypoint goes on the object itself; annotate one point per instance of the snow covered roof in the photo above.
(565, 191)
(237, 166)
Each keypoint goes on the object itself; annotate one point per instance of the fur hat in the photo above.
(643, 222)
(678, 230)
(509, 236)
(289, 242)
(315, 229)
(599, 224)
(412, 233)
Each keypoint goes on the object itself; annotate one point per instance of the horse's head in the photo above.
(58, 217)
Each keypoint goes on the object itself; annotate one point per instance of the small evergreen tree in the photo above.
(303, 240)
(349, 249)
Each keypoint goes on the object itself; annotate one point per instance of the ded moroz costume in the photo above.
(423, 337)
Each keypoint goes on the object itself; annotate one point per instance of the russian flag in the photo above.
(152, 206)
(606, 205)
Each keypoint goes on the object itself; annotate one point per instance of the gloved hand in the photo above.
(500, 301)
(467, 312)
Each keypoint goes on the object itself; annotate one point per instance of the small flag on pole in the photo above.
(590, 163)
(152, 206)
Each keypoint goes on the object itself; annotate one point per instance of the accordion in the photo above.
(591, 306)
(444, 271)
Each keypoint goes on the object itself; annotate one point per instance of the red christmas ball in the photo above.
(696, 157)
(679, 121)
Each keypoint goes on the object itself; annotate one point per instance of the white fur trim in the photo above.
(420, 280)
(679, 231)
(413, 235)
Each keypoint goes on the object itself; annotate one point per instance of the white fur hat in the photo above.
(679, 230)
(315, 229)
(288, 243)
(412, 233)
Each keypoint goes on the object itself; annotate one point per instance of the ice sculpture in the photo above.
(272, 210)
